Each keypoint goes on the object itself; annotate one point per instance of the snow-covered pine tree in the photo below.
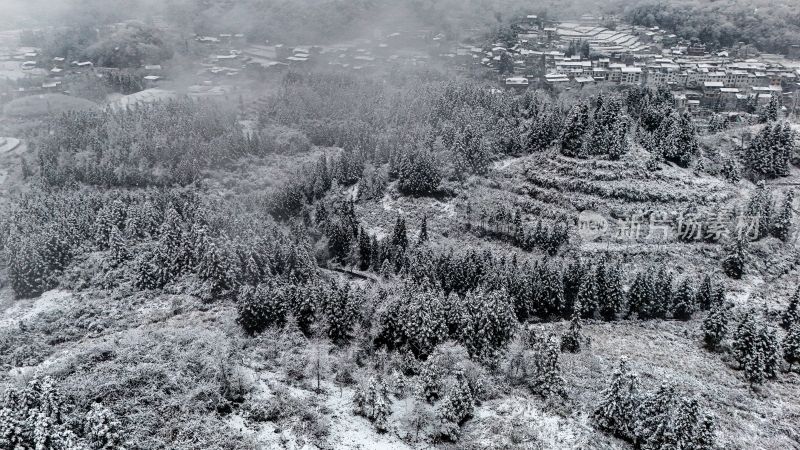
(399, 235)
(546, 379)
(55, 248)
(731, 170)
(571, 340)
(706, 435)
(715, 326)
(682, 143)
(489, 323)
(781, 151)
(36, 418)
(360, 407)
(418, 172)
(170, 246)
(261, 307)
(782, 224)
(431, 374)
(117, 245)
(103, 429)
(612, 293)
(27, 270)
(423, 231)
(652, 419)
(340, 306)
(364, 250)
(456, 408)
(683, 303)
(792, 314)
(685, 422)
(102, 227)
(619, 404)
(771, 110)
(705, 293)
(589, 294)
(662, 292)
(638, 296)
(575, 127)
(381, 414)
(735, 261)
(755, 348)
(791, 345)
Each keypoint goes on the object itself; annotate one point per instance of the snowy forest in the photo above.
(394, 257)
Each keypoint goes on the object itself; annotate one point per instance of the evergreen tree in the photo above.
(759, 208)
(619, 404)
(545, 379)
(731, 170)
(683, 304)
(660, 293)
(734, 263)
(791, 345)
(755, 348)
(638, 296)
(792, 314)
(27, 271)
(103, 429)
(571, 340)
(261, 307)
(506, 64)
(685, 423)
(612, 293)
(488, 325)
(652, 423)
(781, 227)
(705, 293)
(381, 414)
(456, 408)
(423, 231)
(117, 245)
(682, 144)
(759, 154)
(364, 250)
(781, 152)
(588, 294)
(37, 418)
(715, 326)
(213, 265)
(418, 172)
(572, 282)
(705, 436)
(399, 237)
(771, 110)
(340, 305)
(575, 127)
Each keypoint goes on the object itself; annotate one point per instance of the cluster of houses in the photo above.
(230, 54)
(32, 72)
(573, 55)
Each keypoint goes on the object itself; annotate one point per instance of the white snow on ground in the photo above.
(27, 309)
(748, 286)
(389, 205)
(506, 163)
(352, 432)
(143, 97)
(347, 431)
(533, 427)
(8, 144)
